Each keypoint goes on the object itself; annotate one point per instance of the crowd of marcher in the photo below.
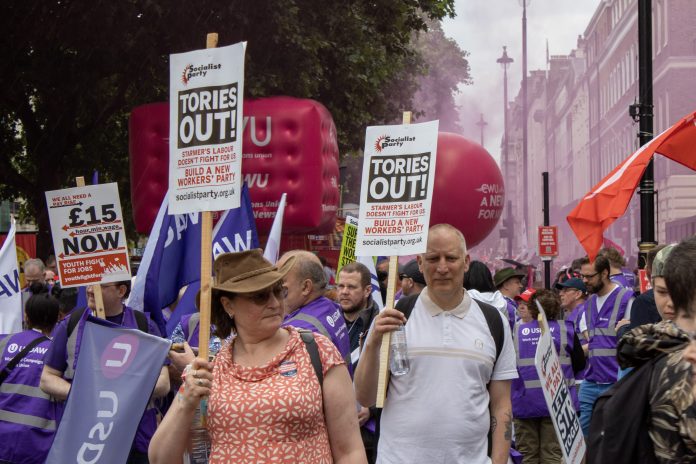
(294, 377)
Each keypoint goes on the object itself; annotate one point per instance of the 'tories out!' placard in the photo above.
(397, 189)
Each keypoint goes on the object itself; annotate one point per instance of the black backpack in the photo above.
(621, 420)
(492, 315)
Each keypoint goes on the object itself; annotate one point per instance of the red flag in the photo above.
(609, 199)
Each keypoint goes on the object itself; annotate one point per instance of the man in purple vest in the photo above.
(27, 415)
(305, 304)
(61, 359)
(508, 281)
(608, 304)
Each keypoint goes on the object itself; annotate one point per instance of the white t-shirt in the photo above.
(438, 412)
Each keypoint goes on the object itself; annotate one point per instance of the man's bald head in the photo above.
(301, 255)
(306, 280)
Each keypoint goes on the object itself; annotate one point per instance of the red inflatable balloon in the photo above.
(289, 147)
(469, 192)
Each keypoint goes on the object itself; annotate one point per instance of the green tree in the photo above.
(72, 69)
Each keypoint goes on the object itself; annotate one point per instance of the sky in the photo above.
(482, 27)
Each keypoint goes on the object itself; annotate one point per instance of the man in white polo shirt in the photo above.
(456, 391)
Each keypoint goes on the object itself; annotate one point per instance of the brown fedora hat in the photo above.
(244, 272)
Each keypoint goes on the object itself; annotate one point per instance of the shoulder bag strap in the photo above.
(313, 350)
(13, 363)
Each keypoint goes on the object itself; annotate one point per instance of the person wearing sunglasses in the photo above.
(266, 402)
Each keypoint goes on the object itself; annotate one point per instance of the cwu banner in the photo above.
(116, 372)
(10, 292)
(173, 260)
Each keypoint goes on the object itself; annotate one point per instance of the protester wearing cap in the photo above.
(573, 294)
(509, 282)
(535, 437)
(522, 301)
(645, 308)
(265, 401)
(412, 280)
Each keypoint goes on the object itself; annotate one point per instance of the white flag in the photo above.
(273, 245)
(10, 293)
(376, 293)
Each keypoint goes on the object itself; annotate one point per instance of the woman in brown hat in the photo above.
(265, 399)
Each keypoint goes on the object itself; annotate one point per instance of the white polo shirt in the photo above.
(438, 412)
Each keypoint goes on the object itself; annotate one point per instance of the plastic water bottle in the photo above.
(398, 353)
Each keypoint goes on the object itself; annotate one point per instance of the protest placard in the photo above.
(553, 383)
(397, 186)
(88, 235)
(205, 129)
(350, 234)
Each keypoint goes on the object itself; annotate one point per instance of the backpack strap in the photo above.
(14, 361)
(492, 315)
(495, 325)
(142, 321)
(74, 319)
(313, 350)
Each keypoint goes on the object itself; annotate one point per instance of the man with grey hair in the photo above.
(34, 272)
(462, 362)
(305, 305)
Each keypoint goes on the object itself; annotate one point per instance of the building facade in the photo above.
(580, 128)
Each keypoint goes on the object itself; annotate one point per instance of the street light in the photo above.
(524, 4)
(505, 61)
(482, 124)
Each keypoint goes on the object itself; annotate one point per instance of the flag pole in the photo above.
(206, 259)
(383, 377)
(98, 298)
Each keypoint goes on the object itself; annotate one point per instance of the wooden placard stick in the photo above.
(206, 259)
(98, 298)
(383, 377)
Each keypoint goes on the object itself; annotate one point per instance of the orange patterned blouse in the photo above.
(271, 413)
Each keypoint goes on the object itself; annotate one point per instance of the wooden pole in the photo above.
(98, 298)
(383, 377)
(206, 259)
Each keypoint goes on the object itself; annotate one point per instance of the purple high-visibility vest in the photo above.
(325, 317)
(527, 396)
(601, 329)
(574, 317)
(148, 423)
(621, 280)
(27, 414)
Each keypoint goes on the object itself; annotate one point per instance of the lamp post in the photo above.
(505, 61)
(525, 160)
(482, 124)
(645, 90)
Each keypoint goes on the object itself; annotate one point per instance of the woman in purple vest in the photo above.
(535, 437)
(27, 415)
